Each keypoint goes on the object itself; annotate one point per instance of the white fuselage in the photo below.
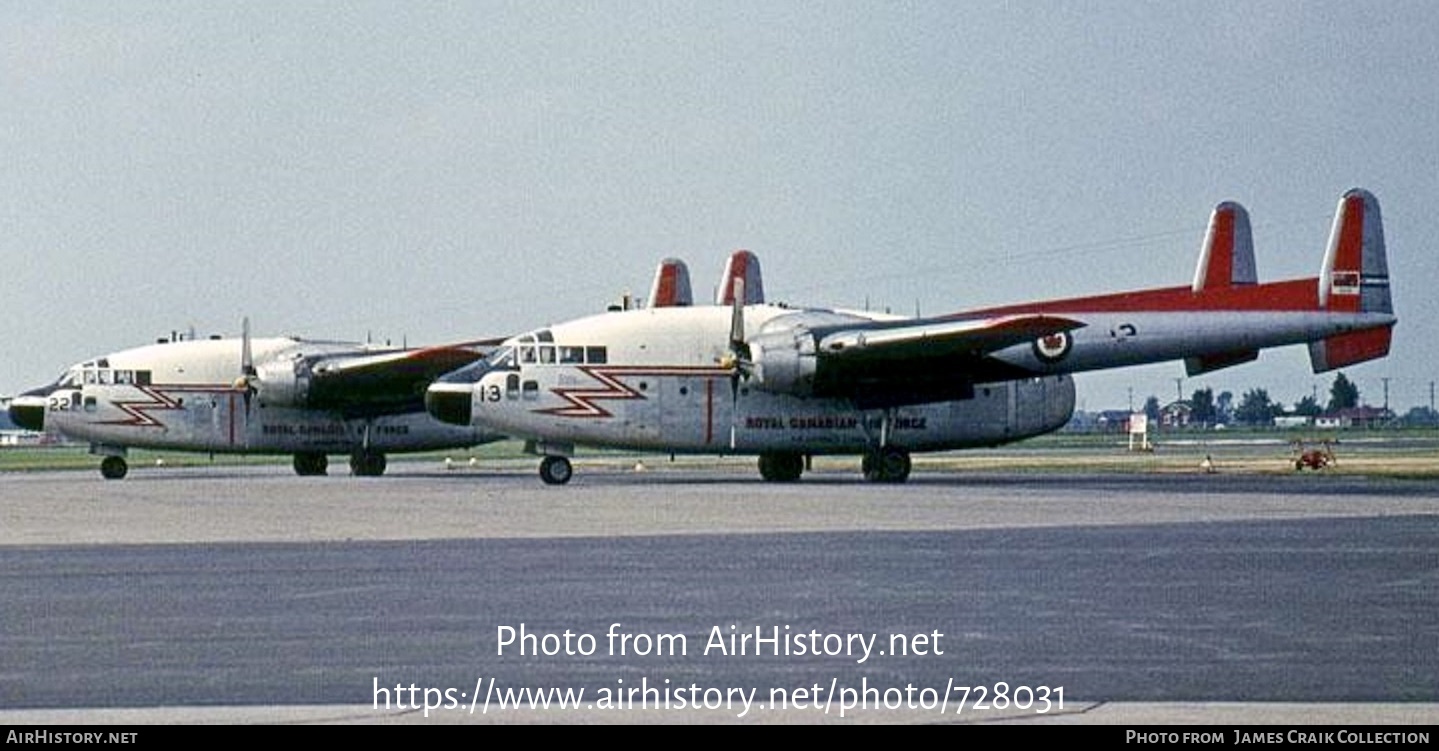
(657, 379)
(653, 379)
(187, 396)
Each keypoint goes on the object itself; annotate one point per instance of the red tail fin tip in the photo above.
(1355, 276)
(742, 264)
(1227, 258)
(671, 288)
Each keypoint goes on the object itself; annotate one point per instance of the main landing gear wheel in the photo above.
(114, 467)
(889, 464)
(307, 465)
(556, 470)
(781, 467)
(367, 464)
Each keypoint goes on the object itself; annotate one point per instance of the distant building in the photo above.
(1355, 418)
(1112, 421)
(1176, 415)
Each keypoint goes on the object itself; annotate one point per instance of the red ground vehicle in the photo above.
(1315, 455)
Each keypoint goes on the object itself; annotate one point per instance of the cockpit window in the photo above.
(92, 376)
(526, 352)
(503, 358)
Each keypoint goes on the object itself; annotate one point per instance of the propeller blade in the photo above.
(738, 358)
(246, 381)
(247, 360)
(736, 322)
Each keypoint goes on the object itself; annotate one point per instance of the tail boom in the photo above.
(1344, 315)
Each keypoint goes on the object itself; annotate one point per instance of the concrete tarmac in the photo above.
(68, 514)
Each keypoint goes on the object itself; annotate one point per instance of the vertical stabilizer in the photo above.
(742, 264)
(671, 288)
(1227, 258)
(1355, 279)
(1355, 276)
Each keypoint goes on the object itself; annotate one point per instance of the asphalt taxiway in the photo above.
(245, 594)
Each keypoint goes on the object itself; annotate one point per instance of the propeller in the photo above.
(738, 358)
(248, 374)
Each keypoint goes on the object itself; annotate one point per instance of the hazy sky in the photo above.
(443, 171)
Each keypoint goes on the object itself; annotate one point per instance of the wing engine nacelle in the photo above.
(783, 361)
(283, 383)
(783, 354)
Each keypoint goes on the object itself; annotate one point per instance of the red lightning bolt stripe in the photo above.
(160, 400)
(582, 400)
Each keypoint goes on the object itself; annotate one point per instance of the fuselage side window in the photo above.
(596, 355)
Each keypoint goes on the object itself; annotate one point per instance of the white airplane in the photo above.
(789, 383)
(266, 396)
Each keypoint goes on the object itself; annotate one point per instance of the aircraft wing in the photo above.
(909, 344)
(887, 364)
(386, 382)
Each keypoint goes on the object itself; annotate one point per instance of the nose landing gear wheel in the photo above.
(555, 470)
(114, 468)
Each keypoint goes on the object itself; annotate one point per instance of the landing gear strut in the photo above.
(888, 464)
(307, 465)
(556, 470)
(781, 466)
(367, 464)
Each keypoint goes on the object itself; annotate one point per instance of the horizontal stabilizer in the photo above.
(1209, 363)
(671, 288)
(1227, 258)
(1347, 349)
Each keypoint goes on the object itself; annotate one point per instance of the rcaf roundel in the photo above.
(1053, 348)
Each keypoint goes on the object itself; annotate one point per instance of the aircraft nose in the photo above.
(28, 411)
(449, 402)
